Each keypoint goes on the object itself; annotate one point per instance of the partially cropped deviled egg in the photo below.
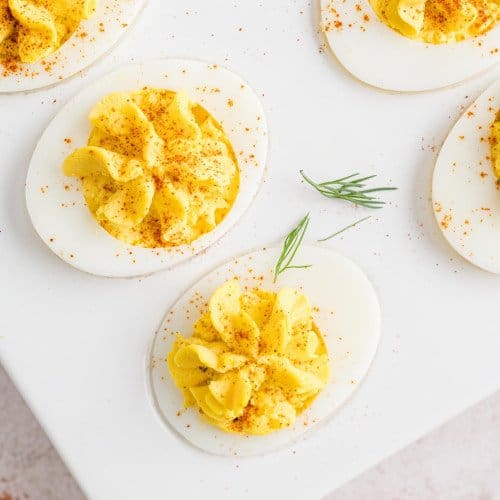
(242, 365)
(43, 42)
(413, 45)
(466, 183)
(147, 167)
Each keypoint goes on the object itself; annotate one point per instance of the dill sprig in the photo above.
(290, 247)
(350, 188)
(345, 228)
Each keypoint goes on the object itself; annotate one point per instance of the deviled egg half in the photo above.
(147, 167)
(413, 45)
(42, 43)
(242, 365)
(466, 186)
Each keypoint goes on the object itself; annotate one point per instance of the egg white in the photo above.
(379, 56)
(57, 206)
(348, 317)
(102, 31)
(462, 192)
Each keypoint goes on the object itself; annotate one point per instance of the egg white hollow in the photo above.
(466, 199)
(57, 206)
(379, 56)
(348, 316)
(94, 37)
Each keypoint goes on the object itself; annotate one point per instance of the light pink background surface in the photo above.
(458, 461)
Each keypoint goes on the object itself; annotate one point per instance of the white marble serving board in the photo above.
(75, 345)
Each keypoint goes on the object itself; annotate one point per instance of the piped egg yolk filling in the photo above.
(158, 171)
(438, 21)
(33, 29)
(254, 362)
(495, 145)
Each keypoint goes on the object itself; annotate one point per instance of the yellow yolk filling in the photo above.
(438, 21)
(495, 144)
(254, 362)
(158, 171)
(33, 29)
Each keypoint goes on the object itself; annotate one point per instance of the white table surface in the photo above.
(459, 460)
(75, 344)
